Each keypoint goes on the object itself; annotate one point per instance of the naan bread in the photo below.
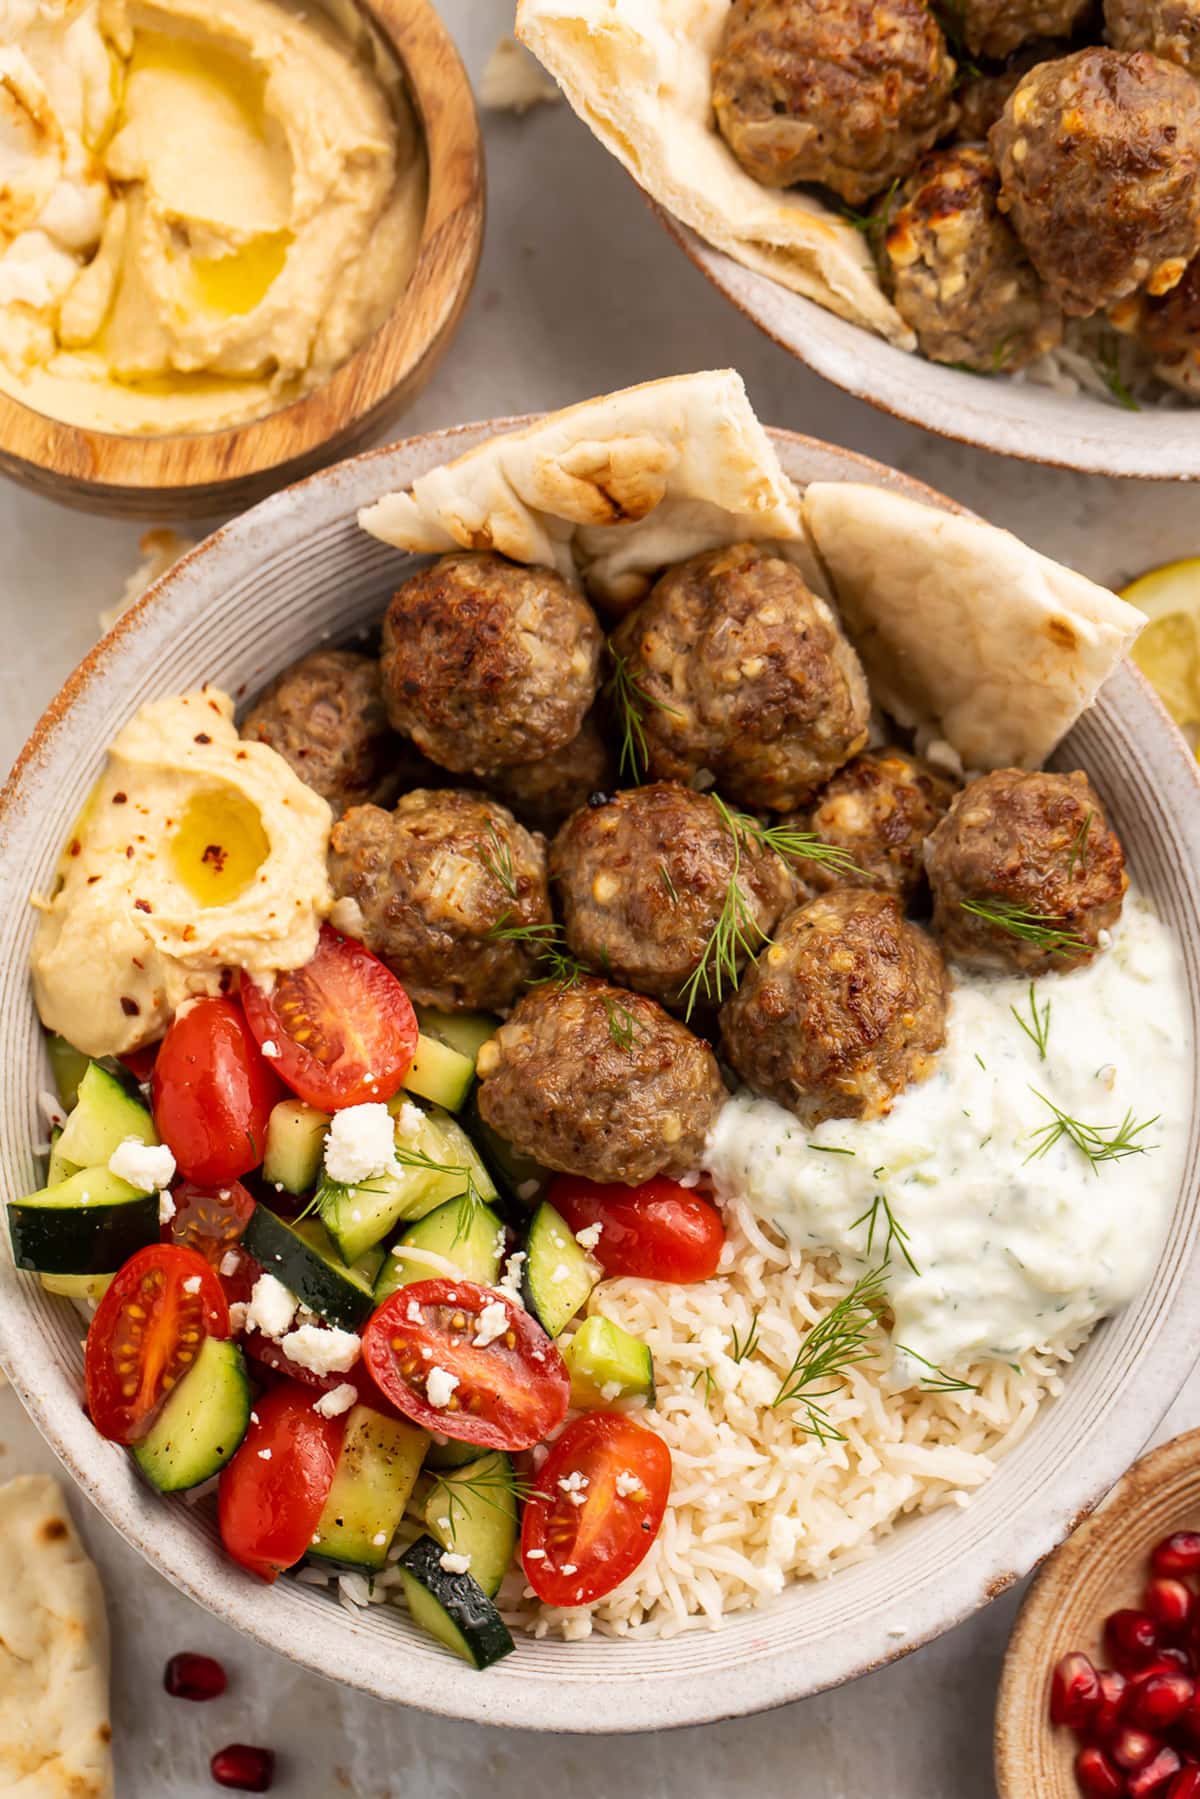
(611, 491)
(638, 72)
(55, 1736)
(962, 629)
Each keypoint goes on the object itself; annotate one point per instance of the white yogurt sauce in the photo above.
(1012, 1252)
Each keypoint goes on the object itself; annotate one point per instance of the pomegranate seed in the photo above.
(1155, 1775)
(194, 1677)
(1132, 1639)
(1186, 1784)
(1074, 1691)
(1188, 1721)
(1177, 1554)
(246, 1769)
(1132, 1749)
(1172, 1657)
(1097, 1776)
(1168, 1602)
(1155, 1698)
(1106, 1720)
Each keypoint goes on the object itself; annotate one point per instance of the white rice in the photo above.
(1107, 364)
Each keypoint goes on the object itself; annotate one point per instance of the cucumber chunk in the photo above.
(202, 1422)
(452, 1607)
(306, 1261)
(357, 1217)
(376, 1472)
(456, 1150)
(474, 1250)
(77, 1286)
(105, 1114)
(440, 1074)
(88, 1224)
(602, 1357)
(68, 1066)
(521, 1179)
(295, 1145)
(58, 1168)
(450, 1454)
(475, 1512)
(559, 1275)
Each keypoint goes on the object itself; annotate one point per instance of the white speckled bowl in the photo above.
(244, 604)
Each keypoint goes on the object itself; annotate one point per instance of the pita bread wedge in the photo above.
(638, 72)
(962, 629)
(55, 1735)
(611, 491)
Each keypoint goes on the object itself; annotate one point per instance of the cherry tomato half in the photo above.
(507, 1394)
(208, 1219)
(659, 1231)
(343, 1025)
(595, 1509)
(212, 1093)
(272, 1492)
(147, 1331)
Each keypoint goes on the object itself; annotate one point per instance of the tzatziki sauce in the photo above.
(1004, 1249)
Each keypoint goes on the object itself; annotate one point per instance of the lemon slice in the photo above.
(1168, 650)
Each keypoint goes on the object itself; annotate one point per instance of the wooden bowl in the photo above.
(1102, 1566)
(198, 474)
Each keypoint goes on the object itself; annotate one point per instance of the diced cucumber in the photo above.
(68, 1066)
(520, 1178)
(105, 1114)
(376, 1472)
(471, 1239)
(440, 1074)
(452, 1607)
(295, 1145)
(558, 1274)
(310, 1266)
(467, 1032)
(450, 1454)
(58, 1168)
(456, 1150)
(475, 1512)
(88, 1224)
(366, 1268)
(202, 1422)
(357, 1217)
(77, 1286)
(602, 1357)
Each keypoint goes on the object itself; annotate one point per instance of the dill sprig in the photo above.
(668, 883)
(835, 1343)
(482, 1486)
(705, 1375)
(629, 702)
(937, 1380)
(1031, 927)
(1078, 852)
(1037, 1026)
(831, 1149)
(742, 1348)
(793, 846)
(558, 967)
(498, 861)
(889, 1227)
(1097, 1142)
(623, 1027)
(1108, 368)
(873, 224)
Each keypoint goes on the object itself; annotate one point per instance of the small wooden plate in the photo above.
(198, 474)
(1103, 1565)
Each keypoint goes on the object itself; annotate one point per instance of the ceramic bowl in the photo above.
(244, 604)
(1101, 1567)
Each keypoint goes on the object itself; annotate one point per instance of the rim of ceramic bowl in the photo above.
(927, 1575)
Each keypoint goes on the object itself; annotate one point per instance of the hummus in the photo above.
(206, 206)
(196, 853)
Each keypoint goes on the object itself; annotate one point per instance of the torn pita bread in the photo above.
(962, 629)
(55, 1735)
(639, 73)
(513, 81)
(611, 491)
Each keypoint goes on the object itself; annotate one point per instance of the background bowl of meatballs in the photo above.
(509, 841)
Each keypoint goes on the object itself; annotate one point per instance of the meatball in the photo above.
(487, 664)
(996, 27)
(842, 1012)
(1099, 158)
(845, 92)
(735, 667)
(544, 793)
(1025, 848)
(1169, 328)
(644, 878)
(980, 101)
(592, 1080)
(325, 716)
(955, 270)
(880, 809)
(437, 882)
(1168, 28)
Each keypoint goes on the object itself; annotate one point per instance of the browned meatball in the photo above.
(1169, 328)
(326, 717)
(644, 878)
(845, 92)
(955, 270)
(596, 1081)
(1168, 28)
(436, 882)
(980, 101)
(842, 1012)
(996, 27)
(880, 809)
(1034, 854)
(487, 663)
(544, 793)
(1099, 158)
(738, 668)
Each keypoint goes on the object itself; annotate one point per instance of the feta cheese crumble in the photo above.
(454, 1564)
(510, 1280)
(270, 1049)
(323, 1350)
(590, 1235)
(272, 1307)
(336, 1401)
(192, 1284)
(166, 1209)
(230, 1261)
(491, 1323)
(627, 1483)
(439, 1387)
(409, 1119)
(361, 1142)
(146, 1166)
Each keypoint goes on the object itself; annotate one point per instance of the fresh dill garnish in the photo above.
(832, 1149)
(937, 1380)
(1079, 846)
(498, 861)
(629, 701)
(496, 1479)
(1037, 1026)
(623, 1027)
(872, 224)
(333, 1193)
(896, 1232)
(532, 935)
(747, 1348)
(835, 1343)
(668, 883)
(558, 964)
(981, 1061)
(1031, 927)
(1109, 371)
(1000, 353)
(1097, 1142)
(705, 1375)
(793, 846)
